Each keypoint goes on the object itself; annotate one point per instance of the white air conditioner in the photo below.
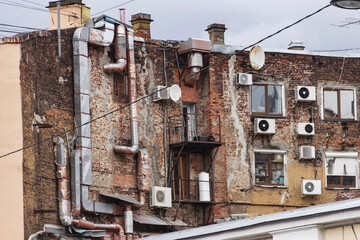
(307, 152)
(305, 94)
(264, 126)
(310, 187)
(244, 79)
(160, 197)
(161, 93)
(305, 129)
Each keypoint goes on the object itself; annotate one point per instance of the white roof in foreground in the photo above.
(347, 211)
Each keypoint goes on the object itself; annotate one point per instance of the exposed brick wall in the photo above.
(47, 98)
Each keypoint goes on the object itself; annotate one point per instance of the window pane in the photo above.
(349, 181)
(274, 99)
(277, 169)
(261, 168)
(347, 104)
(330, 104)
(258, 98)
(333, 181)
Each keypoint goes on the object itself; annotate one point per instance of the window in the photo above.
(267, 100)
(339, 104)
(189, 121)
(341, 170)
(269, 167)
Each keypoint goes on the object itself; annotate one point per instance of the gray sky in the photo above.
(247, 21)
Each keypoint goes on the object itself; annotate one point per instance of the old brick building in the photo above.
(135, 169)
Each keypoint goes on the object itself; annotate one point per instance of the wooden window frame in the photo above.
(269, 165)
(341, 185)
(266, 113)
(338, 91)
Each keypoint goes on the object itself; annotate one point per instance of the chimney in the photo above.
(216, 33)
(141, 24)
(296, 45)
(73, 13)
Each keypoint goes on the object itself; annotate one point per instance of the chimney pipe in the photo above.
(216, 33)
(141, 25)
(296, 45)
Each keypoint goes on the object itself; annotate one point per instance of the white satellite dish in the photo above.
(257, 57)
(175, 93)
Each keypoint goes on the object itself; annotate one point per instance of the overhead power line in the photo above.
(16, 26)
(113, 7)
(181, 80)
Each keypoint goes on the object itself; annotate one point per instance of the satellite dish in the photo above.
(175, 93)
(257, 57)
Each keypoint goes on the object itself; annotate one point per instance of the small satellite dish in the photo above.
(175, 93)
(257, 57)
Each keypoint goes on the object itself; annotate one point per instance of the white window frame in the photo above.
(272, 151)
(322, 104)
(283, 102)
(349, 155)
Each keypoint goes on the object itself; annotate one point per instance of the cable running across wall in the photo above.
(181, 80)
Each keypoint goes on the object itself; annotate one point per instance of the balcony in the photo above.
(194, 131)
(188, 191)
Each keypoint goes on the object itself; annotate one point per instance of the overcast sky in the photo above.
(247, 20)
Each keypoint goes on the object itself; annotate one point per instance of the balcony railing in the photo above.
(189, 190)
(192, 127)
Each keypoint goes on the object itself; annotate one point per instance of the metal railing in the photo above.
(189, 190)
(191, 127)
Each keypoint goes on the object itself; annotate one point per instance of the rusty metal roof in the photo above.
(154, 220)
(124, 198)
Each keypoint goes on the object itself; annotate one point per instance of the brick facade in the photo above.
(48, 109)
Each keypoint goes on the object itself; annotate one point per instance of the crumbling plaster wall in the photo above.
(290, 70)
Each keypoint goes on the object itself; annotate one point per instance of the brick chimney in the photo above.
(141, 24)
(216, 33)
(73, 13)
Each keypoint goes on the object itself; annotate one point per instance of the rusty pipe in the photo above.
(63, 197)
(132, 98)
(96, 226)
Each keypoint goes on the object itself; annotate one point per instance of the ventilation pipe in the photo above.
(132, 98)
(195, 64)
(120, 48)
(63, 198)
(129, 222)
(195, 48)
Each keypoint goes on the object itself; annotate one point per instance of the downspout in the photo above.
(132, 98)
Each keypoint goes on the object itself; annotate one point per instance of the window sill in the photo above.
(266, 116)
(341, 188)
(339, 120)
(271, 186)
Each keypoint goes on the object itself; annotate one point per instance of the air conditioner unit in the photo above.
(305, 94)
(264, 126)
(307, 152)
(160, 197)
(244, 79)
(305, 129)
(310, 187)
(161, 93)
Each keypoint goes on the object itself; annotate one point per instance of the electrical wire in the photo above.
(177, 82)
(34, 3)
(16, 26)
(112, 7)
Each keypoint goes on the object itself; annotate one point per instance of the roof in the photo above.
(345, 211)
(231, 49)
(124, 198)
(154, 220)
(65, 2)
